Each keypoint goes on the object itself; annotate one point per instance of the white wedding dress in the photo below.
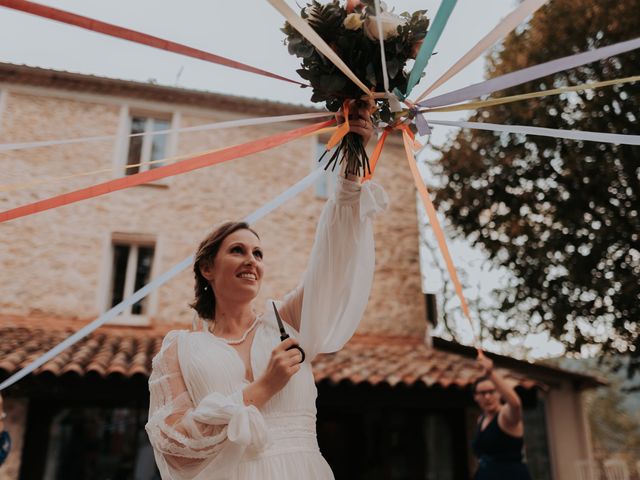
(199, 426)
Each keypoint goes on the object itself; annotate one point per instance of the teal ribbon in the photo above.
(430, 41)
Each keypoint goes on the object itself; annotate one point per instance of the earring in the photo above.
(206, 288)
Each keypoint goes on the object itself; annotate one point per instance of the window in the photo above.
(326, 183)
(147, 145)
(131, 268)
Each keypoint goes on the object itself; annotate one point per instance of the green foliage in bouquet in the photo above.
(354, 37)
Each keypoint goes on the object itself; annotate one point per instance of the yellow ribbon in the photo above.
(525, 96)
(43, 181)
(10, 187)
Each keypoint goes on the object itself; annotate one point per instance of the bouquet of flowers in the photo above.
(352, 32)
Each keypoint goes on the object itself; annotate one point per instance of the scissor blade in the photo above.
(278, 319)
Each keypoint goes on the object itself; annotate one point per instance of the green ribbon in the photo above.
(430, 41)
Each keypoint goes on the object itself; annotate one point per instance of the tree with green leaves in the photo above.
(563, 216)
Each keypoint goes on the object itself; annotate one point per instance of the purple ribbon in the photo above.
(527, 74)
(547, 132)
(423, 126)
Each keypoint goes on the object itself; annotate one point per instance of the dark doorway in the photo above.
(380, 433)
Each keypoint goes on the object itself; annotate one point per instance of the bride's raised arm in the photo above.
(327, 306)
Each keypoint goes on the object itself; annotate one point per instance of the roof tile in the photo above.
(366, 359)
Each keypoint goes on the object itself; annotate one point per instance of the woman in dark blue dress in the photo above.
(5, 439)
(498, 442)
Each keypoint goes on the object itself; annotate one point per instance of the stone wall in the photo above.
(56, 262)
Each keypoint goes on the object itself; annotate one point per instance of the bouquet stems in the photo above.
(351, 150)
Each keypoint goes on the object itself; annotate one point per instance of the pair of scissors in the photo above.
(283, 333)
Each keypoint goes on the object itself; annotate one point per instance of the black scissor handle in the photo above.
(297, 347)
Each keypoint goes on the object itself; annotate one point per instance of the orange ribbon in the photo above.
(342, 130)
(415, 144)
(409, 145)
(376, 154)
(200, 161)
(133, 36)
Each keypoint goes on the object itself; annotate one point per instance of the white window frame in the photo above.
(134, 241)
(147, 141)
(123, 142)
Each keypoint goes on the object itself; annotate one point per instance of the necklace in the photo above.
(243, 337)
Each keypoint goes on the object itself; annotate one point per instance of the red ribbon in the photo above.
(133, 36)
(200, 161)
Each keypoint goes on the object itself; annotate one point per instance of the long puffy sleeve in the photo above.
(200, 441)
(330, 302)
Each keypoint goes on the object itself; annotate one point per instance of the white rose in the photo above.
(390, 23)
(353, 22)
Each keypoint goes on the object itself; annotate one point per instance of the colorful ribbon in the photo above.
(133, 36)
(383, 56)
(315, 39)
(430, 42)
(10, 187)
(526, 8)
(510, 22)
(342, 129)
(44, 181)
(198, 128)
(530, 73)
(376, 154)
(195, 163)
(435, 225)
(526, 96)
(153, 285)
(547, 132)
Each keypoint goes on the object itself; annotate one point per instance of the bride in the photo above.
(234, 401)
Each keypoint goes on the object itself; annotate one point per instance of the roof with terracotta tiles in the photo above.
(78, 82)
(366, 359)
(395, 360)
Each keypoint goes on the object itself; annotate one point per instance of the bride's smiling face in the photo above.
(237, 269)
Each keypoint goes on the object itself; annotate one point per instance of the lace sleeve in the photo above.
(205, 439)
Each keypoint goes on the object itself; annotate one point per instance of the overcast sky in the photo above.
(250, 35)
(248, 32)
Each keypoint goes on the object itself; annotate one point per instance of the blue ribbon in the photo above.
(430, 41)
